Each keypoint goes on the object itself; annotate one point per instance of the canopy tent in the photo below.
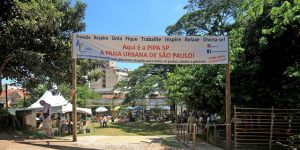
(55, 100)
(68, 108)
(129, 108)
(58, 104)
(138, 108)
(166, 107)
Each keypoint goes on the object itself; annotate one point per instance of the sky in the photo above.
(132, 17)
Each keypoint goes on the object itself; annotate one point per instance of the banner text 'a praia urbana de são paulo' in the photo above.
(152, 49)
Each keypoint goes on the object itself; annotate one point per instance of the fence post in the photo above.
(177, 129)
(186, 139)
(207, 134)
(194, 136)
(234, 123)
(215, 134)
(271, 128)
(181, 132)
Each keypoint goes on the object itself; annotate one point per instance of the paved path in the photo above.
(102, 143)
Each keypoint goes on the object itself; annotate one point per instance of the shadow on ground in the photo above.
(51, 144)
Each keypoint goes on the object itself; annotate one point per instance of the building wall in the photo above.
(111, 76)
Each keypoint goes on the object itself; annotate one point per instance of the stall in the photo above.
(61, 109)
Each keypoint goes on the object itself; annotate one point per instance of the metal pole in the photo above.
(228, 107)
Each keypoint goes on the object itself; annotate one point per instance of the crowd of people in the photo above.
(65, 125)
(202, 119)
(102, 120)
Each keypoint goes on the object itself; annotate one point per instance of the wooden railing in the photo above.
(263, 128)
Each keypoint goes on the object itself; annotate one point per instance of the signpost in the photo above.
(155, 50)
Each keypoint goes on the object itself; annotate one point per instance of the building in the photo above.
(14, 95)
(105, 85)
(112, 97)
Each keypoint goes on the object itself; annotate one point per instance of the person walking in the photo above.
(47, 126)
(191, 121)
(104, 121)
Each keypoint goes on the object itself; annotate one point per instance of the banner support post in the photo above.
(228, 106)
(74, 96)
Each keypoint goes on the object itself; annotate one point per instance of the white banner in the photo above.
(152, 49)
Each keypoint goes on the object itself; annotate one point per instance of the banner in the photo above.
(152, 49)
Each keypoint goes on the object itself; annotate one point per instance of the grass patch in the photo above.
(131, 129)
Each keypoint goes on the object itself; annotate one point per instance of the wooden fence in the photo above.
(265, 128)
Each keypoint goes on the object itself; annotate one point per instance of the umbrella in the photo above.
(101, 109)
(129, 108)
(166, 107)
(137, 107)
(117, 108)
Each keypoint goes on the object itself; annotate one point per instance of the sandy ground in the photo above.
(92, 143)
(15, 142)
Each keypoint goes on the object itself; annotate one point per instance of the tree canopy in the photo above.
(35, 39)
(264, 56)
(266, 68)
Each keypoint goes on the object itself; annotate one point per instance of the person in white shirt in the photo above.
(105, 121)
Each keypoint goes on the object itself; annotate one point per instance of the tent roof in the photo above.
(58, 104)
(48, 97)
(68, 108)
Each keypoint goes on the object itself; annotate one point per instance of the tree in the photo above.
(84, 93)
(267, 66)
(264, 45)
(206, 17)
(35, 38)
(199, 87)
(88, 70)
(202, 87)
(144, 81)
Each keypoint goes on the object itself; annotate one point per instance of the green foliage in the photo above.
(283, 16)
(35, 39)
(88, 70)
(37, 92)
(84, 93)
(21, 104)
(199, 87)
(269, 62)
(206, 17)
(144, 81)
(264, 54)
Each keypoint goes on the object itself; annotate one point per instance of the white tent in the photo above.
(68, 108)
(58, 103)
